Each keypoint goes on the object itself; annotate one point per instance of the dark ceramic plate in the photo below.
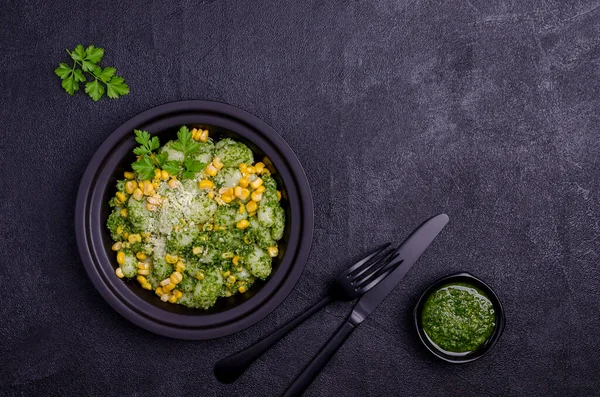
(143, 307)
(458, 358)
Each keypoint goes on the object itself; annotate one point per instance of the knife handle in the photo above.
(230, 368)
(310, 372)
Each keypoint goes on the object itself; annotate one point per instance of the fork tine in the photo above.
(367, 267)
(385, 271)
(373, 268)
(366, 259)
(376, 270)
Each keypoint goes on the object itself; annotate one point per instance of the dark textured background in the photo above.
(398, 110)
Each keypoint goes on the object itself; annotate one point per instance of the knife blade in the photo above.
(408, 253)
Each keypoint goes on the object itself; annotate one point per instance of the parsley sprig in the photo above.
(85, 60)
(149, 160)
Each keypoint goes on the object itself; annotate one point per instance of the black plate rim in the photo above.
(131, 310)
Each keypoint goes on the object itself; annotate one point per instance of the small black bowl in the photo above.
(229, 315)
(460, 358)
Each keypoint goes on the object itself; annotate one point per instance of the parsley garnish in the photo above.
(86, 60)
(191, 167)
(185, 143)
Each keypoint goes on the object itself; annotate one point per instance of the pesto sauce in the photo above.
(458, 318)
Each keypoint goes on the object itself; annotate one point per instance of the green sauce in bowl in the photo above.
(458, 318)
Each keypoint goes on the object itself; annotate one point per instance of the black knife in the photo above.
(408, 253)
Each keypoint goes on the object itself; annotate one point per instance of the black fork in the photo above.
(351, 284)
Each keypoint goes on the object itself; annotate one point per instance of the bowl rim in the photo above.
(491, 341)
(147, 315)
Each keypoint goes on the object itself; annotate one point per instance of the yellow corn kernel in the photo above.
(251, 170)
(211, 170)
(256, 196)
(178, 294)
(211, 195)
(172, 259)
(173, 183)
(143, 265)
(196, 250)
(164, 175)
(119, 272)
(164, 297)
(172, 299)
(243, 168)
(227, 198)
(205, 184)
(226, 190)
(134, 238)
(144, 272)
(203, 136)
(176, 278)
(165, 282)
(147, 286)
(123, 212)
(120, 257)
(156, 183)
(116, 246)
(157, 173)
(126, 236)
(273, 251)
(226, 274)
(138, 194)
(261, 189)
(148, 188)
(278, 195)
(151, 207)
(237, 191)
(242, 224)
(217, 163)
(200, 276)
(256, 183)
(242, 289)
(141, 279)
(259, 167)
(169, 287)
(244, 182)
(231, 279)
(242, 208)
(159, 291)
(251, 206)
(180, 267)
(129, 175)
(194, 132)
(247, 239)
(141, 256)
(130, 186)
(121, 197)
(236, 260)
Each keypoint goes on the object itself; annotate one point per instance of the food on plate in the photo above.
(195, 219)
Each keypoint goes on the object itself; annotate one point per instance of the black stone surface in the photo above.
(398, 110)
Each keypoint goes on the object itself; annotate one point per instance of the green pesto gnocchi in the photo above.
(195, 220)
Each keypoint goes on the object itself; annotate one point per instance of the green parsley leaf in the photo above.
(185, 143)
(191, 168)
(149, 143)
(162, 158)
(70, 85)
(172, 167)
(93, 54)
(86, 61)
(63, 71)
(94, 89)
(117, 87)
(144, 167)
(78, 54)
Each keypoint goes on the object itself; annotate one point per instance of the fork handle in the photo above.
(310, 372)
(230, 368)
